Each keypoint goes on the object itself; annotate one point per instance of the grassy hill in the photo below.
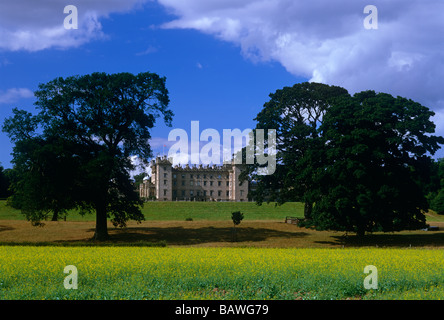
(170, 211)
(194, 210)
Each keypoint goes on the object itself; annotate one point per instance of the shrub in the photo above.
(237, 217)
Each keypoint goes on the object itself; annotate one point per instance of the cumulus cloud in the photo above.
(14, 94)
(326, 41)
(37, 25)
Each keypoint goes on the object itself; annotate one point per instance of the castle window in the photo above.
(174, 183)
(211, 192)
(219, 193)
(219, 177)
(228, 183)
(164, 168)
(164, 192)
(219, 183)
(205, 176)
(165, 175)
(183, 182)
(198, 193)
(198, 183)
(205, 183)
(191, 182)
(228, 193)
(191, 192)
(211, 176)
(174, 176)
(198, 176)
(164, 182)
(191, 176)
(211, 183)
(183, 193)
(183, 176)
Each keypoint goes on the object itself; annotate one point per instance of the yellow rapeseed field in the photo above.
(28, 272)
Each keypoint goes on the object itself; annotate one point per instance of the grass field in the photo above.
(219, 273)
(179, 211)
(269, 260)
(167, 211)
(211, 226)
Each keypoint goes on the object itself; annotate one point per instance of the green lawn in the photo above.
(195, 210)
(220, 210)
(8, 213)
(200, 211)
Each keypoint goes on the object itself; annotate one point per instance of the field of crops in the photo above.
(28, 272)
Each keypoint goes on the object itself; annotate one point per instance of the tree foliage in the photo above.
(436, 187)
(237, 217)
(374, 163)
(76, 151)
(296, 114)
(362, 160)
(4, 183)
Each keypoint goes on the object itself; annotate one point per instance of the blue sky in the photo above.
(223, 58)
(208, 79)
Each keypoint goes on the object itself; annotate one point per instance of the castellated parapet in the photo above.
(194, 183)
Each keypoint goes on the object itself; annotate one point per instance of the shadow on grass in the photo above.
(5, 228)
(430, 239)
(193, 236)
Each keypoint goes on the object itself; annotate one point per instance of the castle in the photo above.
(196, 183)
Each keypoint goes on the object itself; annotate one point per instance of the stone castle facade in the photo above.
(196, 183)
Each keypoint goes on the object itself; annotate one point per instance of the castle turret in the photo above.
(161, 177)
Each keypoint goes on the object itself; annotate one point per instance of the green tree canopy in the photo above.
(436, 188)
(76, 151)
(4, 183)
(361, 160)
(375, 159)
(295, 113)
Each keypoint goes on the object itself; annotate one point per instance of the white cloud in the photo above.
(15, 94)
(148, 50)
(325, 41)
(37, 25)
(4, 62)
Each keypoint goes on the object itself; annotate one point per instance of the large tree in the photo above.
(357, 162)
(93, 125)
(374, 162)
(436, 187)
(4, 183)
(295, 113)
(42, 178)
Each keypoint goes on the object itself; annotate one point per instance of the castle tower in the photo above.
(161, 178)
(238, 192)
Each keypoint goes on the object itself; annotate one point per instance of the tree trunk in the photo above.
(360, 232)
(55, 215)
(101, 232)
(308, 208)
